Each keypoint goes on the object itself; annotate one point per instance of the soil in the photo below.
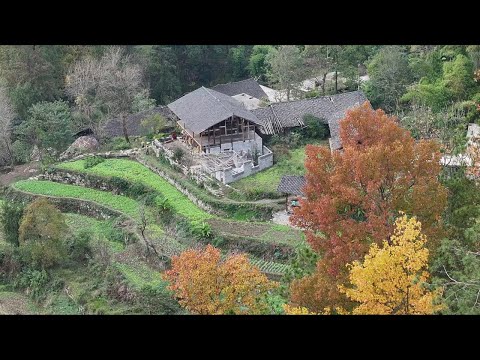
(12, 303)
(20, 172)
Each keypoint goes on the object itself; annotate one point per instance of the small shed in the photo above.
(292, 187)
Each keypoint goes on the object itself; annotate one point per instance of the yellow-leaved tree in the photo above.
(391, 279)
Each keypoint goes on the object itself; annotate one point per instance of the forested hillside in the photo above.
(387, 224)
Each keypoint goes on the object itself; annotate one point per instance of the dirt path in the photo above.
(20, 172)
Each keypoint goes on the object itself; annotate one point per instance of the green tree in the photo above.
(286, 68)
(239, 58)
(162, 70)
(40, 234)
(389, 76)
(257, 64)
(49, 126)
(11, 216)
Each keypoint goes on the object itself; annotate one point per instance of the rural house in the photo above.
(213, 122)
(280, 117)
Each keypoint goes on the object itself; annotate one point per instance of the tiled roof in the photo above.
(203, 108)
(330, 109)
(248, 86)
(291, 184)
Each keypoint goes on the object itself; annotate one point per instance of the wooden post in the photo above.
(248, 130)
(243, 129)
(286, 202)
(231, 127)
(208, 141)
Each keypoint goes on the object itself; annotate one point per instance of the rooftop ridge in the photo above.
(220, 101)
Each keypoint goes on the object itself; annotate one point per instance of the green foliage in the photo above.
(92, 161)
(314, 128)
(154, 124)
(35, 282)
(265, 183)
(118, 143)
(389, 76)
(142, 102)
(257, 64)
(21, 151)
(49, 125)
(78, 246)
(201, 229)
(41, 233)
(178, 154)
(116, 202)
(10, 217)
(463, 204)
(129, 170)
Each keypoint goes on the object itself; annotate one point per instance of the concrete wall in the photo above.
(230, 175)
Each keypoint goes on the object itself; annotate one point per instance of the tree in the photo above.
(206, 284)
(119, 82)
(257, 64)
(7, 115)
(239, 58)
(458, 77)
(318, 63)
(49, 126)
(286, 68)
(82, 85)
(353, 196)
(163, 74)
(40, 234)
(392, 279)
(10, 216)
(389, 76)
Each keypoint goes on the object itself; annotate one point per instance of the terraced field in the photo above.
(120, 203)
(135, 172)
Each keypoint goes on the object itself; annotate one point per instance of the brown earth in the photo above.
(20, 172)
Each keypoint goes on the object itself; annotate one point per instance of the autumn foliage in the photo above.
(354, 195)
(206, 284)
(391, 279)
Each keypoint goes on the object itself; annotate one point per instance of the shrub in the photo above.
(21, 152)
(34, 281)
(11, 217)
(118, 143)
(178, 154)
(92, 161)
(314, 128)
(201, 229)
(78, 246)
(281, 152)
(40, 234)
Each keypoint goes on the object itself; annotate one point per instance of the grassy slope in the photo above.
(49, 188)
(268, 180)
(133, 171)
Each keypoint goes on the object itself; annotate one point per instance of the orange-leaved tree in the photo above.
(353, 197)
(206, 284)
(392, 278)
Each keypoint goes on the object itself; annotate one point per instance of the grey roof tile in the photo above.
(330, 109)
(248, 86)
(203, 108)
(292, 184)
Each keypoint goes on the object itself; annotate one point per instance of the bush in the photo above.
(35, 282)
(92, 161)
(281, 152)
(78, 246)
(314, 128)
(201, 229)
(21, 152)
(40, 235)
(118, 143)
(157, 300)
(11, 217)
(178, 154)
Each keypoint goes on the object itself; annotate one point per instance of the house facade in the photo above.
(213, 122)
